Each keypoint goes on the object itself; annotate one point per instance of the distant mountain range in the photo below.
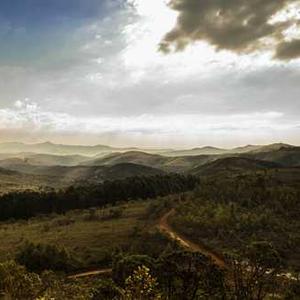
(60, 149)
(100, 150)
(208, 150)
(41, 164)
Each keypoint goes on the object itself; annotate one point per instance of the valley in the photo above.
(96, 216)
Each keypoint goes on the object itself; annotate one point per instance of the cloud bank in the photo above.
(147, 129)
(241, 26)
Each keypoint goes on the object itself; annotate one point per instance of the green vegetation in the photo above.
(175, 274)
(41, 257)
(24, 205)
(229, 214)
(245, 208)
(91, 234)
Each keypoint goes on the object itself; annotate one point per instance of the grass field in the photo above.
(91, 235)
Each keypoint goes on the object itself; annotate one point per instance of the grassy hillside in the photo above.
(11, 181)
(66, 175)
(233, 165)
(90, 234)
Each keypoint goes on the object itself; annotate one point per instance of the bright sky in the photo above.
(90, 71)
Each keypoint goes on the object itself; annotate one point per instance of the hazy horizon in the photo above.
(143, 147)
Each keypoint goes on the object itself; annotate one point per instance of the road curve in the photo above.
(165, 227)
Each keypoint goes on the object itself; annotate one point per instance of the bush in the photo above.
(106, 290)
(40, 257)
(17, 283)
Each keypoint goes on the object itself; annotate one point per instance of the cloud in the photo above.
(241, 26)
(288, 50)
(108, 83)
(28, 118)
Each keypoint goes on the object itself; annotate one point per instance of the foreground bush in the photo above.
(16, 283)
(41, 257)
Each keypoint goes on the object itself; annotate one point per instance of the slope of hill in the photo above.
(65, 175)
(98, 173)
(136, 157)
(288, 156)
(15, 181)
(61, 149)
(51, 148)
(45, 159)
(233, 165)
(245, 149)
(272, 147)
(124, 170)
(54, 160)
(7, 172)
(197, 151)
(171, 164)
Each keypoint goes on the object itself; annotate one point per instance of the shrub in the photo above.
(40, 257)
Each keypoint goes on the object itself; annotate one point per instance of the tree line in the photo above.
(27, 204)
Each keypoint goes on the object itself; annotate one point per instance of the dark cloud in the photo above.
(288, 50)
(236, 25)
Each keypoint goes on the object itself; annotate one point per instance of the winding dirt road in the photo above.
(165, 228)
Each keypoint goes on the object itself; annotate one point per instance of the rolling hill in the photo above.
(61, 149)
(170, 164)
(65, 169)
(288, 156)
(51, 148)
(65, 175)
(208, 150)
(197, 151)
(70, 175)
(233, 165)
(16, 181)
(45, 159)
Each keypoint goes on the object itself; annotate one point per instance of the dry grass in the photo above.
(90, 234)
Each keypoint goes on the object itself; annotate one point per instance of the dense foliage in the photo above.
(17, 283)
(230, 214)
(252, 217)
(41, 257)
(28, 204)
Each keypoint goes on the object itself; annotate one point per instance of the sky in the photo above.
(176, 73)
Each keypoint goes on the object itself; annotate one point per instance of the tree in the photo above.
(56, 287)
(255, 275)
(124, 265)
(106, 290)
(190, 275)
(141, 286)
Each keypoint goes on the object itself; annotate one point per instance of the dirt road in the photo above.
(91, 273)
(164, 226)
